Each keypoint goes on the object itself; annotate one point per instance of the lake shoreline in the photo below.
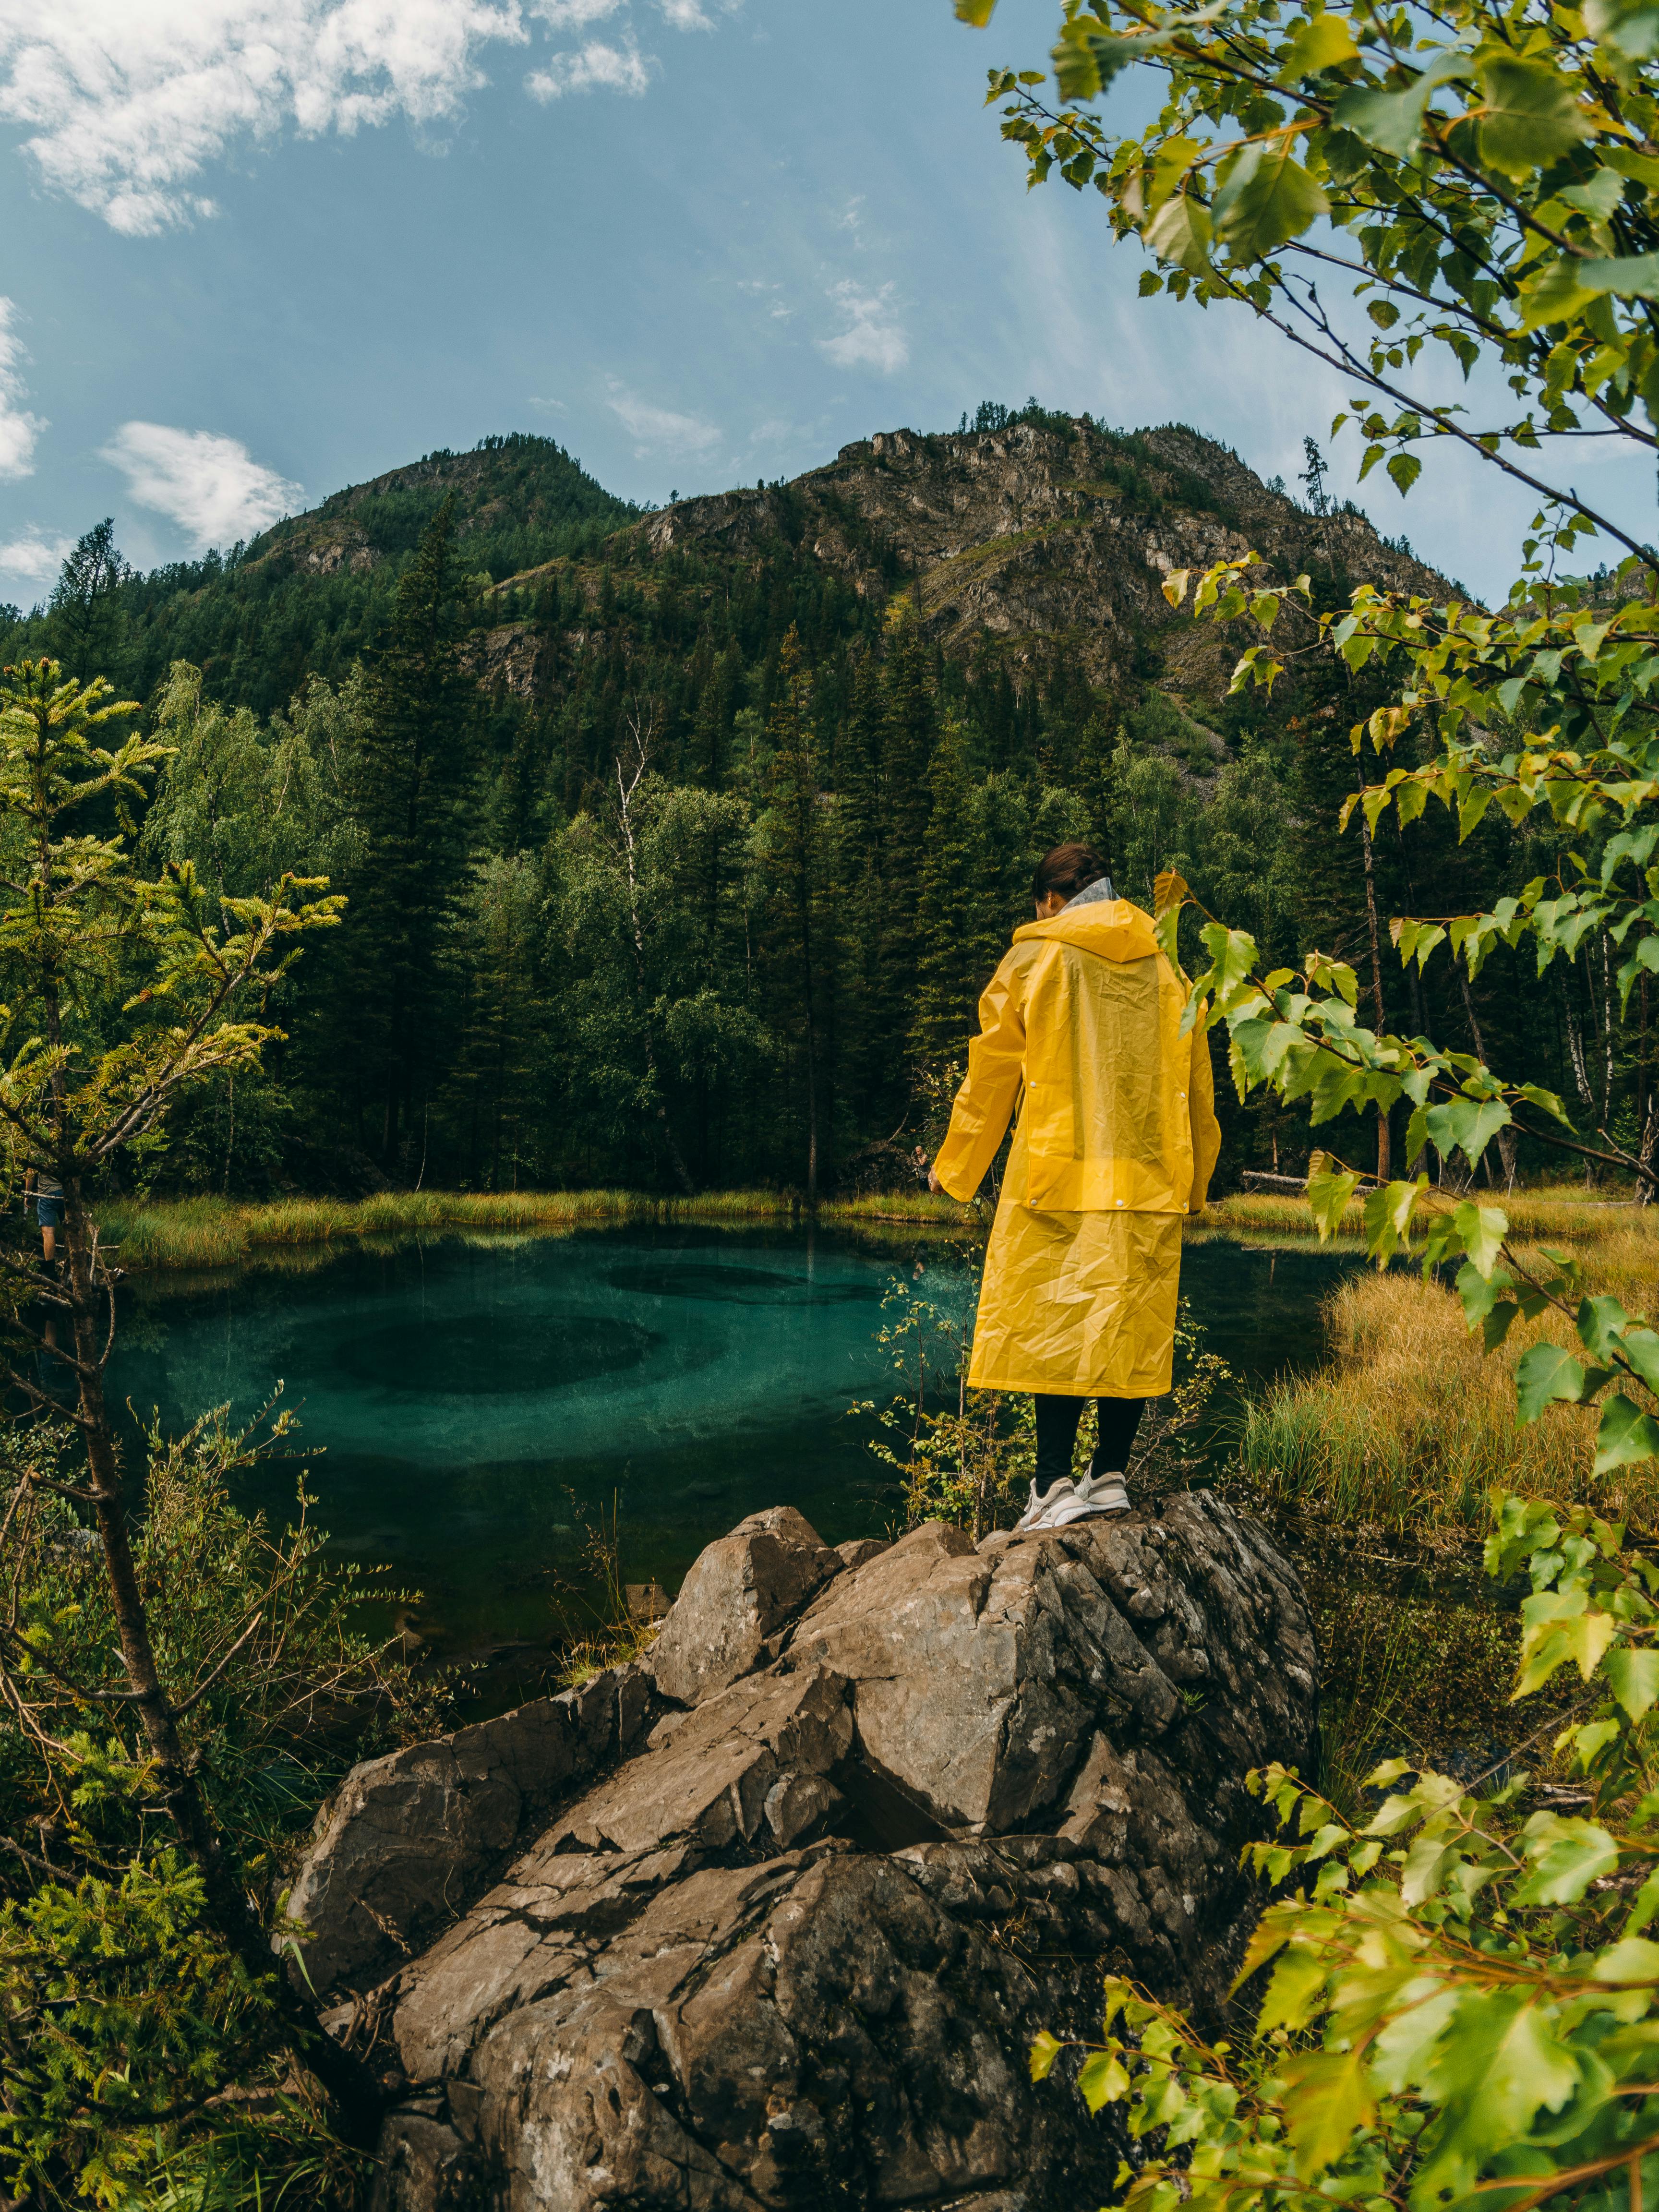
(206, 1232)
(155, 1236)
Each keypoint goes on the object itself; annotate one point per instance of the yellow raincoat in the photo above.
(1116, 1142)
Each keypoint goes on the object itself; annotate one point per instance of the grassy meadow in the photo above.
(199, 1233)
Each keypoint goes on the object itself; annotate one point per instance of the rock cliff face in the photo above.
(774, 1929)
(1031, 536)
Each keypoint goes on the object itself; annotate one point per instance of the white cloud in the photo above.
(659, 430)
(573, 14)
(873, 337)
(209, 485)
(597, 66)
(34, 557)
(18, 430)
(125, 102)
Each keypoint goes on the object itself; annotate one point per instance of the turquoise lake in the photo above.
(468, 1405)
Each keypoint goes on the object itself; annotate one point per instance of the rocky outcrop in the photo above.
(790, 1951)
(1035, 534)
(408, 1839)
(739, 1595)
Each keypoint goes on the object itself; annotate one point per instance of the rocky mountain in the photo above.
(1039, 542)
(1046, 536)
(508, 494)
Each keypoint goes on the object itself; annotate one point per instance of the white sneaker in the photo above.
(1076, 1501)
(1035, 1510)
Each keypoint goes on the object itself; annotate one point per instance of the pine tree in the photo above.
(946, 962)
(794, 849)
(86, 619)
(415, 769)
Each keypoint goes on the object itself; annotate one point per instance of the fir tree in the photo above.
(794, 857)
(415, 769)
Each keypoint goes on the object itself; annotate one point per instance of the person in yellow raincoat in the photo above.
(1114, 1146)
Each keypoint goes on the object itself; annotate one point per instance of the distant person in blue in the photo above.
(48, 1195)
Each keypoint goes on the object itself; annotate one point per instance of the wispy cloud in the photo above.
(874, 336)
(18, 428)
(595, 66)
(660, 430)
(211, 486)
(124, 103)
(33, 558)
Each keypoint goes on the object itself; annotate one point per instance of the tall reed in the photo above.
(1410, 1425)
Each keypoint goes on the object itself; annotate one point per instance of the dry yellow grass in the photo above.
(1411, 1426)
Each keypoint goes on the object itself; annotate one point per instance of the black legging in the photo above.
(1057, 1421)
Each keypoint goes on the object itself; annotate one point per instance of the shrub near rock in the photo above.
(790, 1951)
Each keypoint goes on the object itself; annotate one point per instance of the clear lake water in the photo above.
(468, 1404)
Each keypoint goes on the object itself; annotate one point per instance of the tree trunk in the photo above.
(227, 1910)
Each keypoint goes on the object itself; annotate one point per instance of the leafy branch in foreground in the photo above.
(1463, 2005)
(1582, 681)
(1489, 175)
(118, 996)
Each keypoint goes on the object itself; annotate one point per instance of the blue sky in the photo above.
(258, 249)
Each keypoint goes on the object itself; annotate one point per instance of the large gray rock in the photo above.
(790, 1952)
(739, 1593)
(408, 1839)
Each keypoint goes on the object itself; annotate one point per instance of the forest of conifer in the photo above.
(704, 898)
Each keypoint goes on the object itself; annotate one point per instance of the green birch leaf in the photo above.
(1629, 1962)
(1632, 27)
(1328, 2100)
(1323, 42)
(1602, 1323)
(1277, 202)
(1633, 1671)
(1393, 121)
(1045, 2049)
(1545, 1375)
(1101, 2079)
(1530, 118)
(1641, 1347)
(1480, 1230)
(1180, 232)
(1387, 1214)
(1294, 1992)
(1404, 469)
(1626, 1436)
(1566, 1856)
(1496, 1325)
(1329, 1190)
(1467, 1125)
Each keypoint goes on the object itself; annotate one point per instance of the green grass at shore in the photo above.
(1551, 1210)
(212, 1232)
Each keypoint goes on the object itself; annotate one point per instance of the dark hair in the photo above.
(1068, 869)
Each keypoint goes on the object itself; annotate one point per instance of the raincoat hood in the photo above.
(1112, 929)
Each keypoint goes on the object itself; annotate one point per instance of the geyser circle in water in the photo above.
(496, 1355)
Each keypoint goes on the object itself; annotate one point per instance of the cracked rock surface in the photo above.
(784, 1946)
